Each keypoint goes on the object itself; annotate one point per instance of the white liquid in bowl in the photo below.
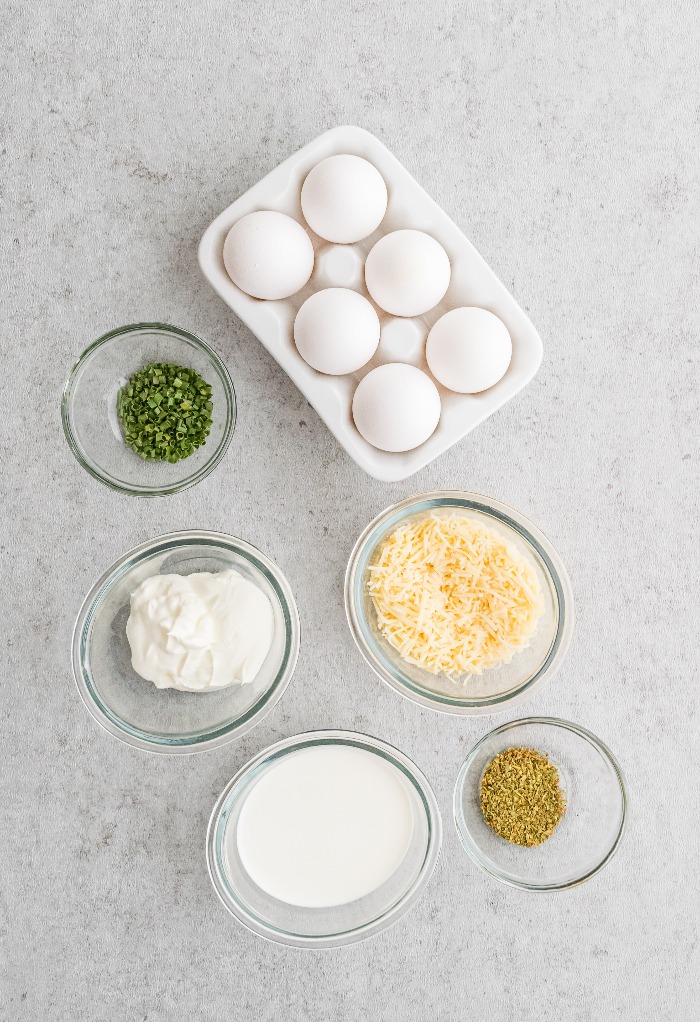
(325, 826)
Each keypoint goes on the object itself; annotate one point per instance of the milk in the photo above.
(324, 826)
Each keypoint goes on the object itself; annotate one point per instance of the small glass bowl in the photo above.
(497, 689)
(166, 720)
(322, 927)
(89, 408)
(588, 834)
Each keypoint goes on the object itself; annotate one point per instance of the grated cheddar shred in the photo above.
(453, 596)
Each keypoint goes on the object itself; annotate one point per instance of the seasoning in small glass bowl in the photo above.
(520, 796)
(540, 804)
(148, 409)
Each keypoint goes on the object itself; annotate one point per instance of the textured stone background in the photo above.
(563, 138)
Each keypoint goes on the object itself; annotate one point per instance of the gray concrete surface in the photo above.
(563, 138)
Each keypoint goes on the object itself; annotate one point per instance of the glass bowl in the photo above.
(166, 720)
(499, 688)
(89, 408)
(342, 924)
(588, 834)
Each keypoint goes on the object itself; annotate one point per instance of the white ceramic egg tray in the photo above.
(402, 340)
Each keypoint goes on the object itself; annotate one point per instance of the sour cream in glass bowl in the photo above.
(167, 720)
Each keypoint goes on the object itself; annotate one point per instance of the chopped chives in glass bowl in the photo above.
(151, 390)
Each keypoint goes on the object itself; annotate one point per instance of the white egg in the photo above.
(468, 350)
(407, 273)
(344, 199)
(396, 407)
(268, 255)
(336, 331)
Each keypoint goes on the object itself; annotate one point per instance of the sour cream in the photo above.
(199, 632)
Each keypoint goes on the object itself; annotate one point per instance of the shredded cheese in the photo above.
(453, 596)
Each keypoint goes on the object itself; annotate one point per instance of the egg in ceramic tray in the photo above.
(372, 300)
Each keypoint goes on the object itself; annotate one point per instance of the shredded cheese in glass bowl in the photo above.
(458, 602)
(452, 595)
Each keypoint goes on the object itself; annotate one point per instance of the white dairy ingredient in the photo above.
(199, 632)
(325, 826)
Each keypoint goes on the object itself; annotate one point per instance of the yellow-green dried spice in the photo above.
(521, 799)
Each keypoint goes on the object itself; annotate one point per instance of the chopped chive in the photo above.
(165, 412)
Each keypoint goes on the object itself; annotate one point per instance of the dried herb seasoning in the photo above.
(521, 799)
(165, 412)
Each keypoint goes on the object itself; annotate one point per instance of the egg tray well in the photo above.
(402, 340)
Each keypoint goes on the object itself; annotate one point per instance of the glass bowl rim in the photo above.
(533, 537)
(208, 466)
(307, 739)
(216, 736)
(472, 849)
